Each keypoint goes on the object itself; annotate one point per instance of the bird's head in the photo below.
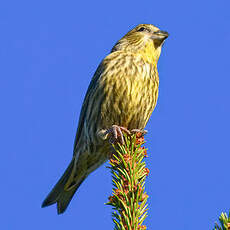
(144, 39)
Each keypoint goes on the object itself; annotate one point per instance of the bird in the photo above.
(120, 98)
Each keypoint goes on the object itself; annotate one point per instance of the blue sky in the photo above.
(48, 54)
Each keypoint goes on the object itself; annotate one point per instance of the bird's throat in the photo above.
(150, 53)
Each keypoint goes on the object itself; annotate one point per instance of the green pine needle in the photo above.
(224, 222)
(129, 199)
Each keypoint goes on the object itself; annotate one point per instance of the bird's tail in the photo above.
(65, 188)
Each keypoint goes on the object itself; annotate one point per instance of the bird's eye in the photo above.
(144, 29)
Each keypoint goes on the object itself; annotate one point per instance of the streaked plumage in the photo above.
(123, 92)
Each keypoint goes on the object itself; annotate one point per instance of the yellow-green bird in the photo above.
(121, 97)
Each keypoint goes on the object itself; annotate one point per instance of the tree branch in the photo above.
(129, 199)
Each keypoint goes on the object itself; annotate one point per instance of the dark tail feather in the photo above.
(59, 194)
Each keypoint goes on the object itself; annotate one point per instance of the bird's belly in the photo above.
(130, 103)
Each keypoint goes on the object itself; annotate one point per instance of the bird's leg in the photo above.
(115, 133)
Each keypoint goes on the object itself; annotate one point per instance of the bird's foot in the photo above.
(115, 134)
(139, 132)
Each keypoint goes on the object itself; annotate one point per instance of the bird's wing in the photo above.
(93, 84)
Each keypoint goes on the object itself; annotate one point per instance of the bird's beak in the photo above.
(160, 35)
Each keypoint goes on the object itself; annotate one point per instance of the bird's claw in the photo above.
(116, 132)
(141, 131)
